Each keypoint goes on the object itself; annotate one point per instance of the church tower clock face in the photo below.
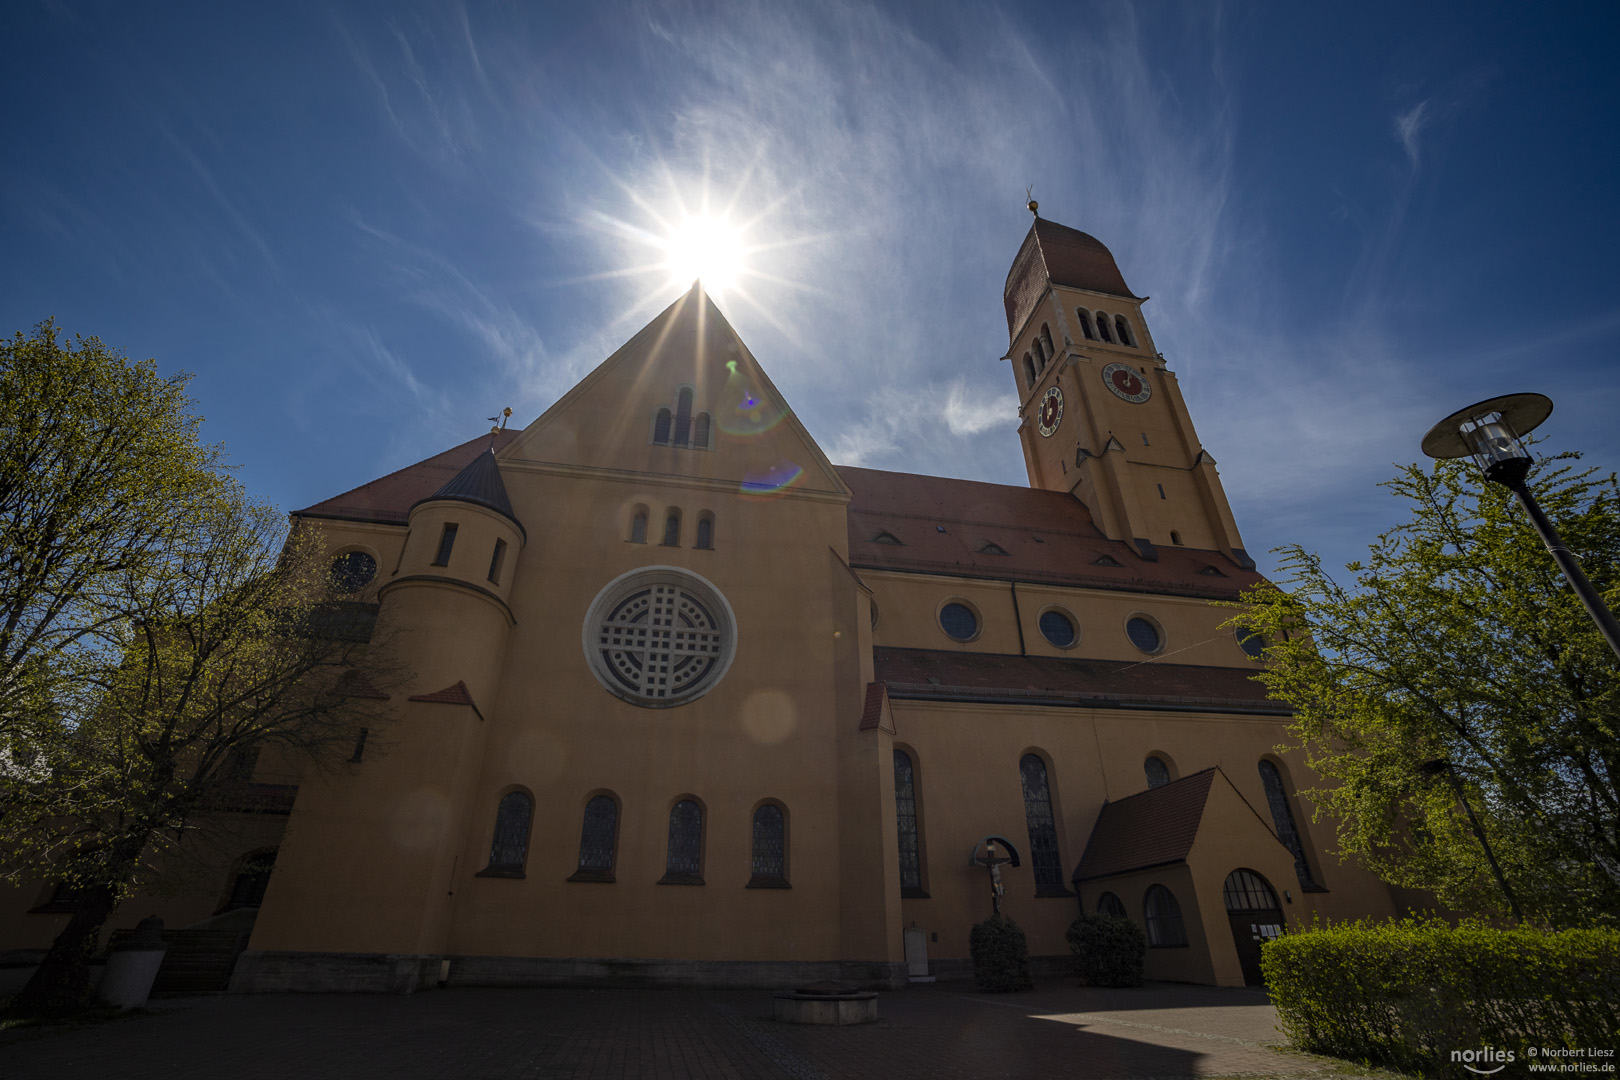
(1051, 414)
(1126, 383)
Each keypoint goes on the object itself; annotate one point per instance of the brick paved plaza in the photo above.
(943, 1031)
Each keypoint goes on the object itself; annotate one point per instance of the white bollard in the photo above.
(133, 964)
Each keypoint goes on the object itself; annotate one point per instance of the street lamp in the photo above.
(1489, 433)
(1441, 767)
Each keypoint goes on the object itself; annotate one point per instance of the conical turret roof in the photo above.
(480, 484)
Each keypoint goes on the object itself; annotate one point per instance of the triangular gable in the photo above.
(450, 695)
(606, 422)
(877, 715)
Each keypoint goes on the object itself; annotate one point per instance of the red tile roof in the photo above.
(390, 498)
(1153, 828)
(872, 713)
(450, 695)
(1063, 256)
(948, 675)
(943, 525)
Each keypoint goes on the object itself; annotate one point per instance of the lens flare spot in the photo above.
(769, 716)
(772, 482)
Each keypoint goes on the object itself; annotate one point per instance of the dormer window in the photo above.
(1210, 571)
(884, 536)
(1106, 560)
(992, 548)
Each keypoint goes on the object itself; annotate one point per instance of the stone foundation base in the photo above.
(260, 972)
(805, 1009)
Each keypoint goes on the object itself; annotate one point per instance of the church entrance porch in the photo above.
(1256, 918)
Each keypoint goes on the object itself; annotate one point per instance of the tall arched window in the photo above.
(1102, 327)
(1124, 329)
(672, 528)
(661, 427)
(1029, 370)
(1162, 916)
(684, 864)
(700, 431)
(905, 809)
(705, 530)
(770, 848)
(1108, 904)
(638, 526)
(1085, 323)
(598, 839)
(509, 848)
(683, 417)
(1043, 845)
(1158, 773)
(1046, 341)
(1283, 818)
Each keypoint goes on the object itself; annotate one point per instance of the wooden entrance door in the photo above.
(1251, 906)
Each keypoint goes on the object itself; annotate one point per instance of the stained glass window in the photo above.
(596, 840)
(685, 862)
(1057, 628)
(1162, 915)
(1158, 773)
(1283, 818)
(905, 808)
(770, 844)
(353, 571)
(510, 846)
(1043, 845)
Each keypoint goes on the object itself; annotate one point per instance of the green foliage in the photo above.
(1458, 640)
(1407, 994)
(1000, 956)
(1108, 951)
(95, 455)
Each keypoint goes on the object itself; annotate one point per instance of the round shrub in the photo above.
(1000, 956)
(1108, 951)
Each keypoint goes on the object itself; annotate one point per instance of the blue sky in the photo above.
(367, 227)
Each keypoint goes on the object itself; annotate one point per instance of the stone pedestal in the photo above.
(826, 1003)
(133, 964)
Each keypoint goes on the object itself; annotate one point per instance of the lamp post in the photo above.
(1489, 432)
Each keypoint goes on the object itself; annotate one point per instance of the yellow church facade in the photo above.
(690, 705)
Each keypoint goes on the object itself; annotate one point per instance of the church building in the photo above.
(692, 705)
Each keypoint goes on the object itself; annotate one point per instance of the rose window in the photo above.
(659, 636)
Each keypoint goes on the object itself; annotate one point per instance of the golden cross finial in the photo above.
(1034, 207)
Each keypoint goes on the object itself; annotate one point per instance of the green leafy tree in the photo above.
(1457, 640)
(95, 453)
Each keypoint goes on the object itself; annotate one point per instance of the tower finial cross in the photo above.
(1034, 207)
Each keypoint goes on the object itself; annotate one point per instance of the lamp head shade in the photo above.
(1519, 413)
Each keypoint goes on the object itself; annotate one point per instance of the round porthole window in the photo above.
(353, 571)
(1144, 634)
(1058, 628)
(959, 622)
(659, 636)
(1253, 643)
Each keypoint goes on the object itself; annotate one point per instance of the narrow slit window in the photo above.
(683, 418)
(905, 809)
(700, 431)
(672, 529)
(495, 561)
(705, 531)
(1161, 490)
(1046, 340)
(638, 528)
(597, 840)
(360, 745)
(1283, 817)
(446, 542)
(770, 848)
(684, 864)
(661, 428)
(509, 847)
(1029, 370)
(1043, 845)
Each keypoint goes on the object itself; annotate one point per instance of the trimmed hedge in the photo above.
(1108, 951)
(1000, 956)
(1407, 994)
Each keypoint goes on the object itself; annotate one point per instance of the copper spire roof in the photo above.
(1062, 256)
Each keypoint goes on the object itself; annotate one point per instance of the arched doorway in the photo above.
(1251, 905)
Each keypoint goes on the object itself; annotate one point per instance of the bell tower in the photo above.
(1102, 416)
